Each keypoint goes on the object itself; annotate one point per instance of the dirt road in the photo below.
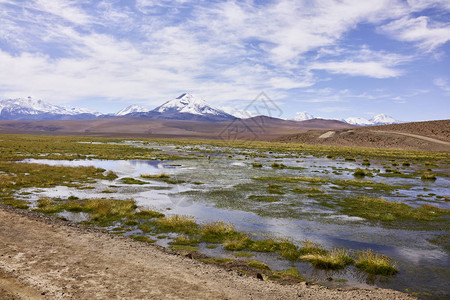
(420, 137)
(44, 258)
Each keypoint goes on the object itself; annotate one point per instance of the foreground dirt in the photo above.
(45, 258)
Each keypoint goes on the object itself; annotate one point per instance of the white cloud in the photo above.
(443, 84)
(354, 68)
(64, 50)
(428, 35)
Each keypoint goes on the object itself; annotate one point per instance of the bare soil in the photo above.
(47, 258)
(424, 136)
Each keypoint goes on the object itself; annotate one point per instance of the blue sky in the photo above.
(333, 59)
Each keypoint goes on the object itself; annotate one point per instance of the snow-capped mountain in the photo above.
(238, 113)
(302, 116)
(132, 109)
(188, 107)
(31, 109)
(358, 121)
(380, 119)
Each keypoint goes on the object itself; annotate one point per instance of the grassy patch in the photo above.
(129, 180)
(309, 247)
(375, 263)
(176, 223)
(278, 166)
(158, 176)
(219, 261)
(22, 204)
(243, 254)
(237, 242)
(183, 248)
(260, 198)
(361, 173)
(292, 272)
(258, 265)
(148, 214)
(333, 260)
(216, 232)
(379, 209)
(142, 238)
(307, 190)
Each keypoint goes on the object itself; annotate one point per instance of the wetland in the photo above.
(336, 216)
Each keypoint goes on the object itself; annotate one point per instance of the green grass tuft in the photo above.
(375, 263)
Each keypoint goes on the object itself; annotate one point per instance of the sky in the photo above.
(330, 58)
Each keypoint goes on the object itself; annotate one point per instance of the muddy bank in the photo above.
(46, 258)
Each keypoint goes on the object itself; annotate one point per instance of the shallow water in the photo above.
(218, 189)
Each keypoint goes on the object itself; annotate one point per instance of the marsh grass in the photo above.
(237, 243)
(309, 247)
(22, 175)
(307, 190)
(216, 232)
(148, 214)
(375, 263)
(278, 165)
(219, 261)
(292, 272)
(183, 249)
(258, 265)
(177, 223)
(380, 209)
(142, 238)
(267, 245)
(158, 176)
(428, 176)
(130, 180)
(260, 198)
(243, 254)
(333, 260)
(257, 165)
(22, 204)
(361, 173)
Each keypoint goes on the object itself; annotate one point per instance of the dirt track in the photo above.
(43, 258)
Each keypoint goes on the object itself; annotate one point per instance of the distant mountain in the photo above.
(358, 121)
(132, 109)
(238, 113)
(187, 107)
(380, 119)
(302, 116)
(31, 109)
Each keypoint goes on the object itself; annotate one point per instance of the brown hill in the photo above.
(257, 128)
(427, 136)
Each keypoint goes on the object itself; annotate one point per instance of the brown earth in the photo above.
(258, 128)
(46, 258)
(425, 136)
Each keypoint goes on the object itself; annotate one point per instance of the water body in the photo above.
(219, 188)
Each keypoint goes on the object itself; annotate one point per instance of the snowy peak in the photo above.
(302, 116)
(238, 113)
(187, 103)
(358, 121)
(187, 106)
(382, 119)
(32, 109)
(132, 109)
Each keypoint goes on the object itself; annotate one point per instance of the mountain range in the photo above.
(184, 107)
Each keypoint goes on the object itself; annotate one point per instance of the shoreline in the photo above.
(43, 257)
